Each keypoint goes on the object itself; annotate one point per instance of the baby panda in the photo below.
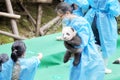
(3, 58)
(71, 41)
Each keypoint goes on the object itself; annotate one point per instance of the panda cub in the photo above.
(71, 41)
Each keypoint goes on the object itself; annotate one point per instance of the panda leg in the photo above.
(67, 56)
(77, 57)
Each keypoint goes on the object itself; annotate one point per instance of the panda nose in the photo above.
(64, 37)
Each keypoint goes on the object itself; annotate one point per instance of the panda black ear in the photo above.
(72, 29)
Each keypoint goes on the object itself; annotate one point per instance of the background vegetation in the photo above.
(25, 27)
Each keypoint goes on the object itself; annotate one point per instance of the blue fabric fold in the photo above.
(105, 12)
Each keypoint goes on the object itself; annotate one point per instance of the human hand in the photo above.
(40, 56)
(59, 38)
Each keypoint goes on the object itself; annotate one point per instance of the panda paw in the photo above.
(76, 62)
(59, 38)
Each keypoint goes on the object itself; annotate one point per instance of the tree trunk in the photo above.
(48, 25)
(39, 17)
(13, 22)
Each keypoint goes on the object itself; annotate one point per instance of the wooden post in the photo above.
(27, 12)
(41, 1)
(10, 15)
(48, 25)
(13, 22)
(39, 16)
(11, 35)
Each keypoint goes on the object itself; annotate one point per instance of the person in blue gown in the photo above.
(103, 14)
(80, 6)
(80, 9)
(91, 66)
(17, 67)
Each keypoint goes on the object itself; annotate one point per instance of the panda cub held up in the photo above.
(71, 41)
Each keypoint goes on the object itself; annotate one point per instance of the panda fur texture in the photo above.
(71, 39)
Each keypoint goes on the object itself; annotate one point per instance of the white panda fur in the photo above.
(68, 33)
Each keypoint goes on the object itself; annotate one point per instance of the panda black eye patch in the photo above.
(68, 34)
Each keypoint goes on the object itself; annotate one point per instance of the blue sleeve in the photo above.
(114, 7)
(29, 68)
(85, 6)
(68, 1)
(34, 62)
(83, 32)
(0, 76)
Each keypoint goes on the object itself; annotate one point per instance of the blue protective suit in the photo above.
(28, 69)
(82, 6)
(91, 66)
(105, 12)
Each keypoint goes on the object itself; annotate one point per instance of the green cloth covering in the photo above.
(52, 66)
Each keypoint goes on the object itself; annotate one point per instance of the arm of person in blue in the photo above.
(114, 7)
(28, 73)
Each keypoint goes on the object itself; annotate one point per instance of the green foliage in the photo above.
(25, 27)
(5, 39)
(118, 20)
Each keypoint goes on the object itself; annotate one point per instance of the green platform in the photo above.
(52, 67)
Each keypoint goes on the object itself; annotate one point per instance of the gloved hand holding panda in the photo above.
(71, 41)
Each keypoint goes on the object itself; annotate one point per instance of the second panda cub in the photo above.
(71, 42)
